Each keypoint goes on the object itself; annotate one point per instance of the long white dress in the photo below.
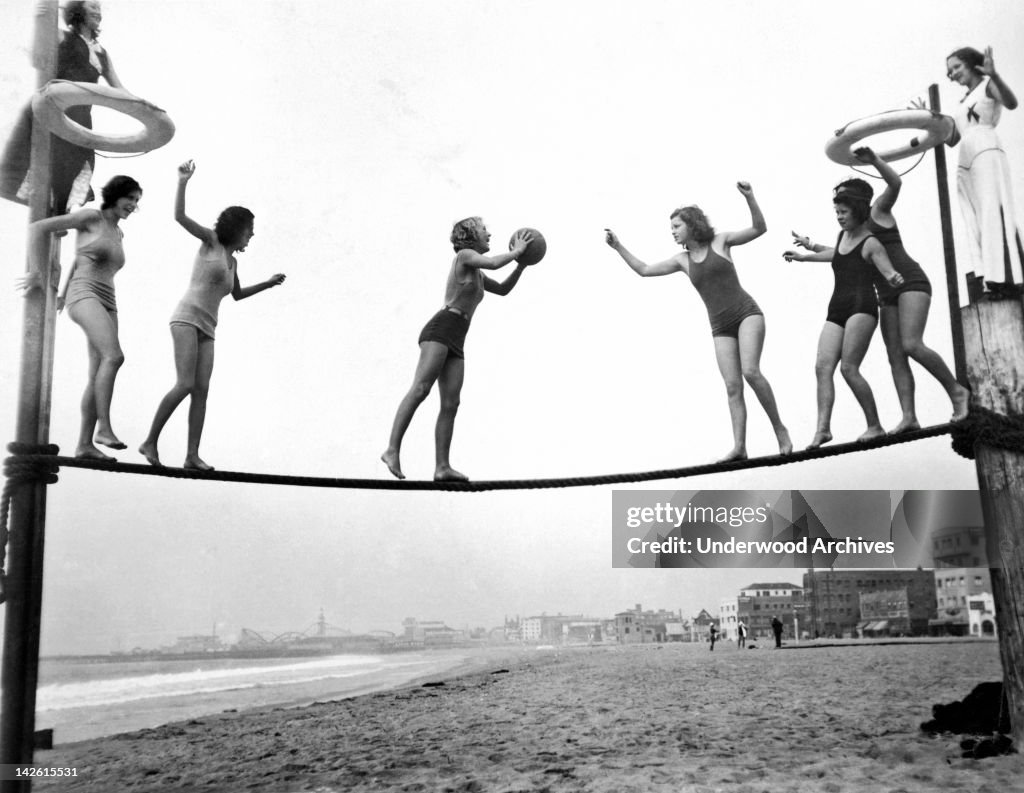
(986, 195)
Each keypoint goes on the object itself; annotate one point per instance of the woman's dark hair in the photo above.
(75, 13)
(466, 233)
(970, 56)
(231, 224)
(693, 216)
(860, 208)
(118, 187)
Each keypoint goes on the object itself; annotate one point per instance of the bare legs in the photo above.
(846, 348)
(193, 363)
(903, 330)
(739, 359)
(105, 358)
(448, 371)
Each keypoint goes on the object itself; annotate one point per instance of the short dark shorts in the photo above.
(447, 328)
(892, 296)
(727, 323)
(842, 307)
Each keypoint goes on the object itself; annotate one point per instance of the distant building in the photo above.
(885, 613)
(195, 644)
(981, 614)
(833, 602)
(561, 629)
(728, 617)
(430, 633)
(757, 604)
(959, 546)
(955, 588)
(700, 626)
(647, 627)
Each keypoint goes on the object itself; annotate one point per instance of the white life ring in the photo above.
(50, 102)
(937, 129)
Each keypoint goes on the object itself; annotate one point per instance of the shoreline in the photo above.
(623, 718)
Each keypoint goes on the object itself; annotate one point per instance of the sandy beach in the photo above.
(641, 718)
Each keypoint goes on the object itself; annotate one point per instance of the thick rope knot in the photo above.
(985, 427)
(29, 463)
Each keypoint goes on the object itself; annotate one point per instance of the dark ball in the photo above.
(535, 248)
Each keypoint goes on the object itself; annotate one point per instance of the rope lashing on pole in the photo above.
(988, 428)
(28, 463)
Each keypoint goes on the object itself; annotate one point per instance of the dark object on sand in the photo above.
(983, 712)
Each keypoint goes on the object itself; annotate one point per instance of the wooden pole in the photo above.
(952, 288)
(19, 666)
(994, 341)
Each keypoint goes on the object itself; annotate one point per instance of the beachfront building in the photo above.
(728, 611)
(430, 633)
(959, 546)
(955, 590)
(981, 615)
(637, 626)
(560, 629)
(885, 613)
(833, 598)
(757, 604)
(700, 626)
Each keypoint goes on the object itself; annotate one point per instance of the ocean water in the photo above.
(89, 699)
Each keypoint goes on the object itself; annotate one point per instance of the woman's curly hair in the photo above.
(232, 223)
(701, 230)
(117, 188)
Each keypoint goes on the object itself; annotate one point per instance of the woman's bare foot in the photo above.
(390, 459)
(961, 403)
(871, 433)
(821, 437)
(785, 442)
(109, 439)
(194, 462)
(907, 425)
(738, 453)
(445, 473)
(148, 450)
(92, 453)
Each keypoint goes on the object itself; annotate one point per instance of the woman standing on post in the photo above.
(214, 275)
(983, 174)
(737, 324)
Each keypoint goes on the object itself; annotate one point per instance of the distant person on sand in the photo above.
(741, 636)
(712, 635)
(777, 630)
(214, 275)
(737, 323)
(441, 356)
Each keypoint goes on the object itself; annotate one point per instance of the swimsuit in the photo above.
(96, 262)
(853, 292)
(447, 327)
(213, 277)
(914, 278)
(719, 287)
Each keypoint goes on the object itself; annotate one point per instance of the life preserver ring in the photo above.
(936, 127)
(50, 102)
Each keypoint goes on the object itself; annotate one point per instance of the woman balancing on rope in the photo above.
(737, 324)
(214, 275)
(852, 311)
(903, 309)
(441, 357)
(88, 294)
(80, 58)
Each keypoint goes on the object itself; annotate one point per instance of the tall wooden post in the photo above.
(20, 662)
(994, 341)
(952, 288)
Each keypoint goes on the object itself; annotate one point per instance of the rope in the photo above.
(29, 464)
(495, 484)
(987, 428)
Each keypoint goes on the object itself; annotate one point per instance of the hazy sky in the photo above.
(358, 132)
